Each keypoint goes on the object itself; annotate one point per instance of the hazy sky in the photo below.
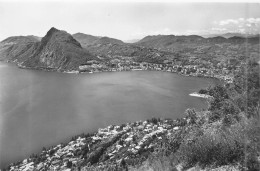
(127, 20)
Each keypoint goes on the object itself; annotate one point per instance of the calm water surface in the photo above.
(45, 108)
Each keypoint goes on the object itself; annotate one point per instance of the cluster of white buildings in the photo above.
(137, 136)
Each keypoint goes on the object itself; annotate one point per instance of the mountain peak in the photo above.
(57, 36)
(58, 50)
(52, 30)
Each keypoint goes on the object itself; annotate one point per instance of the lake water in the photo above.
(40, 108)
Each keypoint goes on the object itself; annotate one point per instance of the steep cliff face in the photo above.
(57, 50)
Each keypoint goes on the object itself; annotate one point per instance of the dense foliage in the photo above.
(226, 135)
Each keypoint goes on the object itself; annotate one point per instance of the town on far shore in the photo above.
(224, 70)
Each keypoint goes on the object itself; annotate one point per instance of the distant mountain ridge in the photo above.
(109, 48)
(20, 39)
(229, 35)
(172, 42)
(86, 40)
(61, 51)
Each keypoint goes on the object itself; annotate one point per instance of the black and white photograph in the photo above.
(142, 85)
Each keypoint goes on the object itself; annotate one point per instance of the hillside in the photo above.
(109, 48)
(191, 42)
(85, 39)
(225, 135)
(132, 142)
(57, 50)
(228, 35)
(17, 48)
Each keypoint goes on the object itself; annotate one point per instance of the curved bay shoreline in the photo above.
(153, 133)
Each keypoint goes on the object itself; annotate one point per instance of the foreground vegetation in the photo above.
(225, 137)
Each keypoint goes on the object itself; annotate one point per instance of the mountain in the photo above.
(57, 50)
(225, 35)
(107, 48)
(85, 39)
(108, 40)
(20, 39)
(171, 42)
(35, 37)
(192, 42)
(217, 39)
(166, 40)
(17, 48)
(229, 35)
(131, 41)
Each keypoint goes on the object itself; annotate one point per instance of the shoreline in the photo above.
(205, 96)
(79, 72)
(127, 141)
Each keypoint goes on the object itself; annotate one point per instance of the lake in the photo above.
(40, 108)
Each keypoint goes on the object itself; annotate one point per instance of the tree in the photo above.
(191, 116)
(203, 91)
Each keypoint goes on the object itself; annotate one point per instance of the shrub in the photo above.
(252, 162)
(227, 120)
(51, 152)
(202, 91)
(216, 146)
(214, 116)
(69, 164)
(191, 116)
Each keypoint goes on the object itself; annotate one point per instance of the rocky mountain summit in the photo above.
(57, 50)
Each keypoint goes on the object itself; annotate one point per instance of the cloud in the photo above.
(219, 29)
(229, 21)
(253, 20)
(238, 21)
(241, 25)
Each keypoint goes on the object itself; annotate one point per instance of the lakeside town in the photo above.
(223, 71)
(113, 146)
